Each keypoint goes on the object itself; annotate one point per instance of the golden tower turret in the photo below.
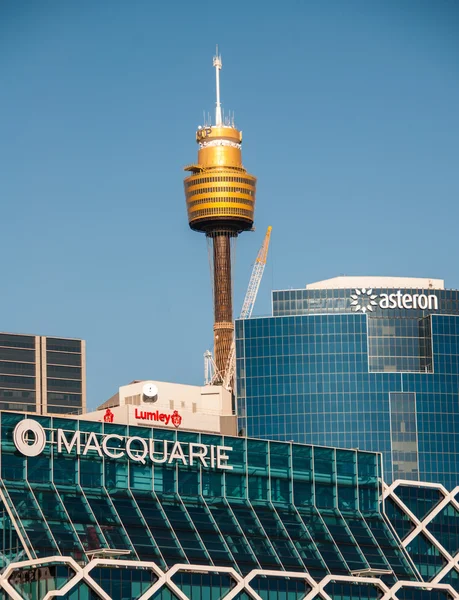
(220, 200)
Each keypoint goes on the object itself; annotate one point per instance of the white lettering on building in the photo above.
(198, 451)
(116, 446)
(62, 439)
(365, 301)
(137, 454)
(111, 452)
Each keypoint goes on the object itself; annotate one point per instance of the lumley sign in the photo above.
(160, 417)
(364, 300)
(30, 439)
(149, 415)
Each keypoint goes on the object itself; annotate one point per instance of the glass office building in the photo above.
(42, 374)
(368, 363)
(100, 511)
(426, 519)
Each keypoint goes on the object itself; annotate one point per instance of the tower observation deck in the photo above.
(220, 199)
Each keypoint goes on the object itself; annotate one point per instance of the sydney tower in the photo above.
(220, 200)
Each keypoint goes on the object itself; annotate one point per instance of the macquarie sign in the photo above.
(29, 437)
(364, 300)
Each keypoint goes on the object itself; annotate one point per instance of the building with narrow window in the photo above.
(42, 374)
(358, 362)
(105, 510)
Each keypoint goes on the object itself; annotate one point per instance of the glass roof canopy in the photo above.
(178, 497)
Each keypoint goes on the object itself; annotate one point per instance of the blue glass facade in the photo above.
(70, 503)
(103, 511)
(345, 367)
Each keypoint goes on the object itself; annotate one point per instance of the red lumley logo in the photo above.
(109, 416)
(176, 419)
(145, 415)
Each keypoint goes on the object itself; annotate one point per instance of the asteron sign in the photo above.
(364, 300)
(30, 439)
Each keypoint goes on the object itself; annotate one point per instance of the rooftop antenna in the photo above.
(218, 109)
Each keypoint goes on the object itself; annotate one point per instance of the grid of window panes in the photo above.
(26, 359)
(433, 557)
(315, 301)
(405, 460)
(396, 344)
(430, 554)
(64, 376)
(307, 379)
(130, 581)
(17, 372)
(282, 506)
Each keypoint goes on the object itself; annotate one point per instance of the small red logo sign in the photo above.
(145, 415)
(176, 419)
(109, 416)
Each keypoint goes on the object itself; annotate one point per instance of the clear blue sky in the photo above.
(350, 114)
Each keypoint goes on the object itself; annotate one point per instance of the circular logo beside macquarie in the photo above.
(24, 442)
(30, 439)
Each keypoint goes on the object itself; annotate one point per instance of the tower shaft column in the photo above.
(223, 305)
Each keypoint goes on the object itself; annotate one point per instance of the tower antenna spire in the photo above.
(218, 108)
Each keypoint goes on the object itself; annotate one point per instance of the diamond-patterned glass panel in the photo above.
(420, 500)
(124, 582)
(280, 588)
(426, 557)
(196, 586)
(30, 581)
(391, 550)
(81, 591)
(445, 527)
(452, 578)
(338, 590)
(164, 593)
(401, 521)
(408, 593)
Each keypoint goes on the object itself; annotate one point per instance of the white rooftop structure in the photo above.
(170, 405)
(376, 282)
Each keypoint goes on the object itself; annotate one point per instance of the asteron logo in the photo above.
(364, 300)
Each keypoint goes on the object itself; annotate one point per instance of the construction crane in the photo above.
(247, 307)
(210, 369)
